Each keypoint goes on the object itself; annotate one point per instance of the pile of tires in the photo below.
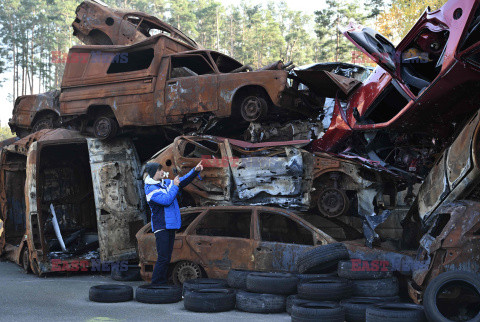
(152, 294)
(208, 295)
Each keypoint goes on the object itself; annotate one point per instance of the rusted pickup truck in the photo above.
(159, 81)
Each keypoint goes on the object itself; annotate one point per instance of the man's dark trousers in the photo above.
(165, 240)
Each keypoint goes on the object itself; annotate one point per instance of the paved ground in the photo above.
(59, 298)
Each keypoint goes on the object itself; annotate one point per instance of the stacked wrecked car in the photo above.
(385, 161)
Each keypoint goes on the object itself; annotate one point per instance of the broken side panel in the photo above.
(118, 195)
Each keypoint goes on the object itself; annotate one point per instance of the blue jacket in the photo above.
(162, 199)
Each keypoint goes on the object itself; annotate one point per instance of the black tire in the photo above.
(110, 293)
(467, 289)
(355, 308)
(204, 283)
(381, 287)
(272, 283)
(26, 260)
(210, 300)
(325, 289)
(253, 108)
(238, 278)
(293, 300)
(345, 270)
(105, 127)
(45, 122)
(395, 312)
(132, 274)
(303, 278)
(322, 259)
(260, 303)
(158, 294)
(323, 311)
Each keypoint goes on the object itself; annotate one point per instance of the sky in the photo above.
(6, 106)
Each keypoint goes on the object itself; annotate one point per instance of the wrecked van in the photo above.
(93, 188)
(97, 24)
(422, 91)
(281, 174)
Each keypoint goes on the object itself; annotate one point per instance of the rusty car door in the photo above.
(215, 178)
(119, 197)
(279, 239)
(222, 239)
(192, 86)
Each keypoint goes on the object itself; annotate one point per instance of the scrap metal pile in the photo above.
(384, 158)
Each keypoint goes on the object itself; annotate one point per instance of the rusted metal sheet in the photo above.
(450, 244)
(97, 24)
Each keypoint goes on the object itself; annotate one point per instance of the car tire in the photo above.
(110, 293)
(303, 278)
(130, 275)
(381, 287)
(210, 300)
(322, 259)
(238, 278)
(356, 307)
(441, 281)
(45, 122)
(293, 300)
(323, 311)
(272, 283)
(204, 283)
(158, 294)
(253, 108)
(325, 289)
(260, 303)
(26, 260)
(345, 270)
(105, 127)
(395, 312)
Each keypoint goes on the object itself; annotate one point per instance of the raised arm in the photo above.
(163, 198)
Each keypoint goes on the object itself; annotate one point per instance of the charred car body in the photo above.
(93, 187)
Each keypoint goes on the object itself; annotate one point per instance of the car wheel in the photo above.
(345, 270)
(204, 283)
(111, 293)
(332, 202)
(44, 122)
(355, 308)
(453, 296)
(105, 127)
(379, 287)
(253, 108)
(272, 283)
(158, 294)
(184, 271)
(322, 259)
(260, 303)
(325, 289)
(324, 311)
(210, 300)
(395, 312)
(26, 260)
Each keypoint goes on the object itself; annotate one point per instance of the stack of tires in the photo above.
(208, 295)
(347, 294)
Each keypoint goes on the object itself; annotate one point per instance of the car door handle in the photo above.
(264, 249)
(205, 244)
(172, 83)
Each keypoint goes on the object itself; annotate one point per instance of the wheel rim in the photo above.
(187, 271)
(252, 109)
(103, 127)
(332, 202)
(43, 124)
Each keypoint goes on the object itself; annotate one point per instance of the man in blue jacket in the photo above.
(162, 199)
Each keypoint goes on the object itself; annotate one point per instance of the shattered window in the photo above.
(225, 223)
(275, 227)
(131, 61)
(224, 63)
(188, 66)
(187, 219)
(200, 149)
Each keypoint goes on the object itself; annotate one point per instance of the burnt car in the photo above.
(282, 174)
(90, 189)
(154, 83)
(421, 93)
(213, 240)
(97, 24)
